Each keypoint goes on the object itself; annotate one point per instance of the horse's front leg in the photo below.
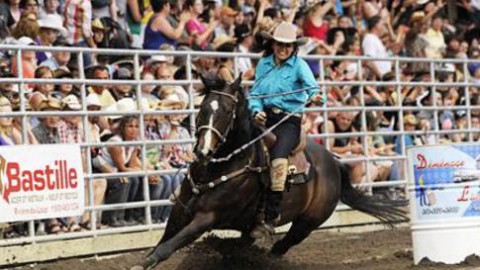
(200, 223)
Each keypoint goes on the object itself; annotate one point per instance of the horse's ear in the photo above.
(238, 82)
(205, 83)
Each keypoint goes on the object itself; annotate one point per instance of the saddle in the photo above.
(298, 165)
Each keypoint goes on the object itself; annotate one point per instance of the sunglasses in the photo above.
(284, 45)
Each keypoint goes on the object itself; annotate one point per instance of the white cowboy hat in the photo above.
(53, 21)
(121, 106)
(71, 102)
(157, 58)
(286, 33)
(25, 41)
(93, 100)
(169, 101)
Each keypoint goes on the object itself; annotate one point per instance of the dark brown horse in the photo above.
(225, 195)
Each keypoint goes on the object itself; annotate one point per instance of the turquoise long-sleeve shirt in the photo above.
(292, 75)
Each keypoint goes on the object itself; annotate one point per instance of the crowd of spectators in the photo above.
(374, 28)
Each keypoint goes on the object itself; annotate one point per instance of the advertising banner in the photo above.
(432, 168)
(40, 182)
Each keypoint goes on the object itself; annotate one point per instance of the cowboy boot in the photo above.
(278, 176)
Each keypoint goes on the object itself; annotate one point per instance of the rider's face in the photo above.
(283, 51)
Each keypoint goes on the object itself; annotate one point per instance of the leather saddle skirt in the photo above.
(297, 161)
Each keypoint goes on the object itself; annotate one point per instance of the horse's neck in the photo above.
(240, 134)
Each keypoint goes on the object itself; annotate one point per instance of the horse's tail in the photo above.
(388, 211)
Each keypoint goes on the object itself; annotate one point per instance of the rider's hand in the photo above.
(260, 118)
(318, 98)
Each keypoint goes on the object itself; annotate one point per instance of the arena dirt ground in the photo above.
(380, 250)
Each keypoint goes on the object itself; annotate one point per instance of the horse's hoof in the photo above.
(150, 263)
(137, 267)
(262, 230)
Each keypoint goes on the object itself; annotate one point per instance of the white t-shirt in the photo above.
(372, 46)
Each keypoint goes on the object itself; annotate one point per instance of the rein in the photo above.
(198, 189)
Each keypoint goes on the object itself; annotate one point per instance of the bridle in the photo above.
(222, 137)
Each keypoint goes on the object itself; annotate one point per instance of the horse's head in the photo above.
(217, 115)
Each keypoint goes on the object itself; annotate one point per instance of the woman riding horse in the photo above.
(281, 71)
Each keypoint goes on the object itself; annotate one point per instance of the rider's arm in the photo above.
(307, 78)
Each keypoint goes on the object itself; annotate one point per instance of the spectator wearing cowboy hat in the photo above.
(281, 63)
(50, 29)
(70, 131)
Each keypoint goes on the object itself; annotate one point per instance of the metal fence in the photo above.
(189, 83)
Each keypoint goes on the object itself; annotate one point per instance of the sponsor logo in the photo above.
(423, 163)
(15, 179)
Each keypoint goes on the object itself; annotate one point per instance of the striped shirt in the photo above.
(77, 16)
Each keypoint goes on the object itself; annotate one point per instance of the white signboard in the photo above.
(445, 164)
(40, 182)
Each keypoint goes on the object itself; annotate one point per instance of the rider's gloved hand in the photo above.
(260, 118)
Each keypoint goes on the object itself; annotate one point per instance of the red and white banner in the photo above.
(40, 181)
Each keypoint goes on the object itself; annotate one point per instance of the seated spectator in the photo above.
(46, 132)
(100, 72)
(58, 59)
(29, 61)
(50, 29)
(159, 30)
(65, 88)
(27, 26)
(225, 65)
(124, 90)
(8, 134)
(202, 33)
(314, 25)
(79, 28)
(148, 89)
(29, 6)
(99, 185)
(121, 159)
(173, 155)
(166, 73)
(70, 131)
(49, 7)
(436, 42)
(14, 8)
(244, 38)
(7, 89)
(373, 46)
(45, 89)
(227, 23)
(345, 147)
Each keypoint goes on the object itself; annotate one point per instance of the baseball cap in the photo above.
(71, 102)
(123, 74)
(228, 11)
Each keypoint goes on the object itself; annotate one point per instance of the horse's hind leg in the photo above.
(200, 224)
(300, 230)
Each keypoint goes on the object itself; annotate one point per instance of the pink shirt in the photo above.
(194, 26)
